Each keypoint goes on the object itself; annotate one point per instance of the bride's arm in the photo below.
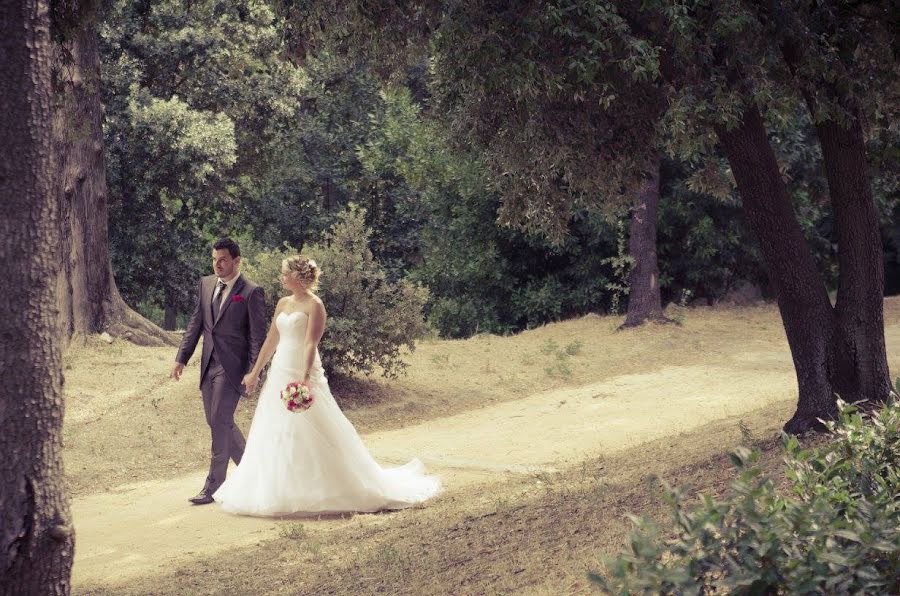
(265, 352)
(314, 330)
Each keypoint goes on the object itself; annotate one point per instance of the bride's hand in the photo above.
(250, 381)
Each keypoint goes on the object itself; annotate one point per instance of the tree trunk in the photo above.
(806, 313)
(89, 299)
(36, 537)
(171, 318)
(644, 300)
(857, 356)
(859, 368)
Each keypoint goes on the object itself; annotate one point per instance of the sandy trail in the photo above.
(149, 527)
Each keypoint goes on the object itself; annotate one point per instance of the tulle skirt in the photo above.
(313, 461)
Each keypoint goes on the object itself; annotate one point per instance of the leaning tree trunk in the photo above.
(806, 312)
(644, 300)
(36, 538)
(89, 299)
(858, 356)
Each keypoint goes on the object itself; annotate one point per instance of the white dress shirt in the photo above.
(226, 290)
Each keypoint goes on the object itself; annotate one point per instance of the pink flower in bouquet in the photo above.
(297, 396)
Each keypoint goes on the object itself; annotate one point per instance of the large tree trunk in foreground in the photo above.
(858, 355)
(89, 301)
(807, 315)
(858, 361)
(644, 300)
(36, 539)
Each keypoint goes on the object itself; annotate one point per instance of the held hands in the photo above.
(176, 371)
(250, 381)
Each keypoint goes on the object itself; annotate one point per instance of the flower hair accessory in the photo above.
(302, 269)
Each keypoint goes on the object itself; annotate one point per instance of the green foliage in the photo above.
(703, 244)
(318, 168)
(836, 532)
(483, 277)
(226, 118)
(370, 318)
(194, 94)
(263, 267)
(564, 110)
(621, 263)
(568, 107)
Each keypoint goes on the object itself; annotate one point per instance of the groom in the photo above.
(231, 317)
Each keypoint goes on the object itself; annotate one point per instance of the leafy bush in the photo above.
(837, 533)
(370, 319)
(458, 317)
(263, 267)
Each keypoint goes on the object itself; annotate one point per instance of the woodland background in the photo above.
(214, 127)
(464, 169)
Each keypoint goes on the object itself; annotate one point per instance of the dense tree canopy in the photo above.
(497, 149)
(569, 96)
(195, 95)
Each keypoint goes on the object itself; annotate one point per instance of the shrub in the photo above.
(264, 269)
(370, 320)
(454, 317)
(838, 532)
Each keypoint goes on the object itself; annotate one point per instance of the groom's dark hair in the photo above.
(227, 243)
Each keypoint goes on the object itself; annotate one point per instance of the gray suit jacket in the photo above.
(237, 334)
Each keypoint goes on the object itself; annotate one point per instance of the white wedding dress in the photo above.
(312, 461)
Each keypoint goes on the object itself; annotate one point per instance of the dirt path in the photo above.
(148, 528)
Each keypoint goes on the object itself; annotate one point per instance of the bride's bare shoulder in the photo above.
(281, 304)
(316, 304)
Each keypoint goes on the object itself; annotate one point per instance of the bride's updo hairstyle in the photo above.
(303, 269)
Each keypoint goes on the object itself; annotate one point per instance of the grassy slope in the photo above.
(126, 421)
(534, 533)
(537, 534)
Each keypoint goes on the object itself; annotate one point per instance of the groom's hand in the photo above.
(176, 371)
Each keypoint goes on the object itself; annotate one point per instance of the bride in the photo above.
(312, 461)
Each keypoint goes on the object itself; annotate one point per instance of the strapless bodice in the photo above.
(291, 341)
(292, 327)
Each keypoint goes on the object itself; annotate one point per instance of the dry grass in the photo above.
(515, 534)
(532, 534)
(127, 421)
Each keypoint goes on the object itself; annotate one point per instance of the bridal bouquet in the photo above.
(297, 396)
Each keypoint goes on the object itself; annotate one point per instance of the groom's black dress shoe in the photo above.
(204, 498)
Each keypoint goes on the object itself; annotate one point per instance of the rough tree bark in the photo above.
(171, 317)
(89, 299)
(806, 312)
(858, 365)
(36, 537)
(858, 355)
(644, 299)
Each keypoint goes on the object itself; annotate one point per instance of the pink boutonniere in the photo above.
(237, 298)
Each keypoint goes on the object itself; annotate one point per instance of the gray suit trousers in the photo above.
(220, 400)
